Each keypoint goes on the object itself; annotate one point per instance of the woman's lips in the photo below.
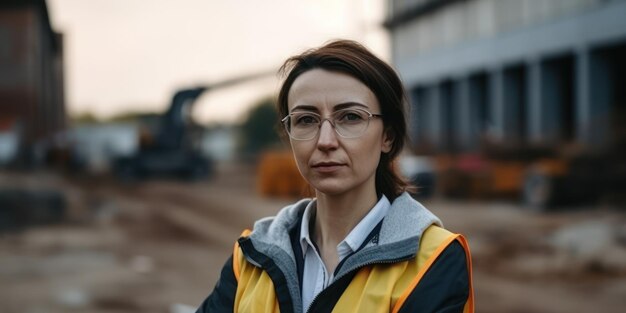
(327, 167)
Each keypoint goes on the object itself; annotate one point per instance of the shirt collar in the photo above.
(305, 239)
(357, 235)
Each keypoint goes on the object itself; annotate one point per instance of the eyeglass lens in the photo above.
(347, 123)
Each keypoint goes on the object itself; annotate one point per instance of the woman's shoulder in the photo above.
(406, 220)
(281, 223)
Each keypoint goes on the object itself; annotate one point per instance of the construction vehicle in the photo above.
(542, 178)
(579, 174)
(170, 151)
(172, 147)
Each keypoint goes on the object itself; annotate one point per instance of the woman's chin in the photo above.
(330, 188)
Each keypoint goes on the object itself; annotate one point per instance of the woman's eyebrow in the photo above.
(305, 108)
(346, 105)
(337, 107)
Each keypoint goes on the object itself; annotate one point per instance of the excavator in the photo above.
(171, 149)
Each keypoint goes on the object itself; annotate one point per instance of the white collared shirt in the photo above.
(316, 277)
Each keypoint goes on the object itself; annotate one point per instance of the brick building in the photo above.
(32, 104)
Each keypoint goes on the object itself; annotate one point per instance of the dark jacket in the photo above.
(407, 264)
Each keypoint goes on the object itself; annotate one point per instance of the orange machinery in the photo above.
(278, 176)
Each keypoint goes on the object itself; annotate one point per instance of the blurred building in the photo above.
(32, 104)
(532, 72)
(517, 97)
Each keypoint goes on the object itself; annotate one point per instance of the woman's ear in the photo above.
(388, 137)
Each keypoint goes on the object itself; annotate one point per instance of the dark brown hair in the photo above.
(351, 58)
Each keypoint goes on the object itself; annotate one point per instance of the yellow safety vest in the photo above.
(374, 289)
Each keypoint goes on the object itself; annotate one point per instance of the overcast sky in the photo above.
(131, 55)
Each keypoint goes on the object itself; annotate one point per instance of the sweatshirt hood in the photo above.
(398, 239)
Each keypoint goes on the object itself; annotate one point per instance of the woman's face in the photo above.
(333, 164)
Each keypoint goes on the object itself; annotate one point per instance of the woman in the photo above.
(362, 244)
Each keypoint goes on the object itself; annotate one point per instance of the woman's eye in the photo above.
(350, 117)
(306, 120)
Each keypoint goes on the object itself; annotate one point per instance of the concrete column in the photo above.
(465, 114)
(602, 92)
(534, 91)
(436, 127)
(496, 125)
(582, 95)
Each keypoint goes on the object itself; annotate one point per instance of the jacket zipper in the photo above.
(408, 257)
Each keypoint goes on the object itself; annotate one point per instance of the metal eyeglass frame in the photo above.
(370, 115)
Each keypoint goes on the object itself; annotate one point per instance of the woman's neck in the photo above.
(337, 215)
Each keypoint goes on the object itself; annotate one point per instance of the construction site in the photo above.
(518, 141)
(155, 246)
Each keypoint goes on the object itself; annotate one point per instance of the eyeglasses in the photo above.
(348, 123)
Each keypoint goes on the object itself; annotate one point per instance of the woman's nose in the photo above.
(327, 137)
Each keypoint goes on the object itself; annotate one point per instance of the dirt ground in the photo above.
(146, 247)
